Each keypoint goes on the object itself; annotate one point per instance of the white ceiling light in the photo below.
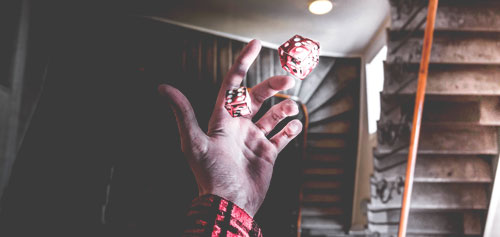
(320, 7)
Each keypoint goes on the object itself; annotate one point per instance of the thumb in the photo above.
(193, 139)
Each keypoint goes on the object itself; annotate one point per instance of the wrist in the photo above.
(237, 198)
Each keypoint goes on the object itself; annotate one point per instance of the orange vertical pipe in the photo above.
(417, 115)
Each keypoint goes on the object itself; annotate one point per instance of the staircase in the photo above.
(328, 168)
(459, 135)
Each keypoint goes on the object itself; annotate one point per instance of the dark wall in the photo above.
(101, 155)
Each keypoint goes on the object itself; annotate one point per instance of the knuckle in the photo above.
(288, 133)
(262, 128)
(278, 113)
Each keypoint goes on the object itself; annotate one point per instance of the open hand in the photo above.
(234, 159)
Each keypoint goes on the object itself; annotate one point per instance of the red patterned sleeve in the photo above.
(211, 215)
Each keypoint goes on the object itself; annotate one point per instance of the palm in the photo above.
(244, 148)
(235, 159)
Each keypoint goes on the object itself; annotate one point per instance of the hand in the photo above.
(234, 159)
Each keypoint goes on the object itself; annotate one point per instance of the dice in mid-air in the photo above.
(299, 56)
(238, 102)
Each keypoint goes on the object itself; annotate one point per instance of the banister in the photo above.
(417, 115)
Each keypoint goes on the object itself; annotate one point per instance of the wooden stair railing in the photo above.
(417, 115)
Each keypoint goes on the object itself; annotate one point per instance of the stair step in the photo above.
(443, 79)
(326, 157)
(313, 81)
(332, 142)
(334, 222)
(437, 110)
(335, 232)
(332, 127)
(473, 223)
(327, 90)
(397, 159)
(445, 139)
(330, 110)
(319, 164)
(454, 15)
(445, 169)
(440, 196)
(432, 222)
(447, 47)
(320, 185)
(323, 171)
(321, 198)
(457, 110)
(337, 81)
(321, 211)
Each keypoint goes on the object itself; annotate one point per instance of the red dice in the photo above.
(299, 56)
(238, 102)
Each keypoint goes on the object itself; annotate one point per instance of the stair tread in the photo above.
(323, 171)
(441, 196)
(443, 79)
(333, 142)
(324, 232)
(429, 222)
(321, 184)
(308, 86)
(456, 110)
(332, 109)
(462, 169)
(321, 211)
(333, 127)
(336, 82)
(448, 47)
(455, 15)
(322, 222)
(445, 139)
(321, 198)
(330, 157)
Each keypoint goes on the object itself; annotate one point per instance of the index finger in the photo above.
(239, 70)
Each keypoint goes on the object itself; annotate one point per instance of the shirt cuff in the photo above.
(211, 215)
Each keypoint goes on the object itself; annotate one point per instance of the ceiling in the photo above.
(350, 29)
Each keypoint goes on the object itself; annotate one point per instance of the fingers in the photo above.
(289, 132)
(193, 139)
(277, 113)
(268, 88)
(239, 69)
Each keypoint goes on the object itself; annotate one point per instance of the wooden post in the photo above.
(417, 115)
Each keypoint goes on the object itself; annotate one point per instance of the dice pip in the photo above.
(299, 56)
(238, 102)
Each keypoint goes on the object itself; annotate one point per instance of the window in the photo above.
(374, 85)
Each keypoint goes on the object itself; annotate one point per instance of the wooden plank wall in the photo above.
(208, 57)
